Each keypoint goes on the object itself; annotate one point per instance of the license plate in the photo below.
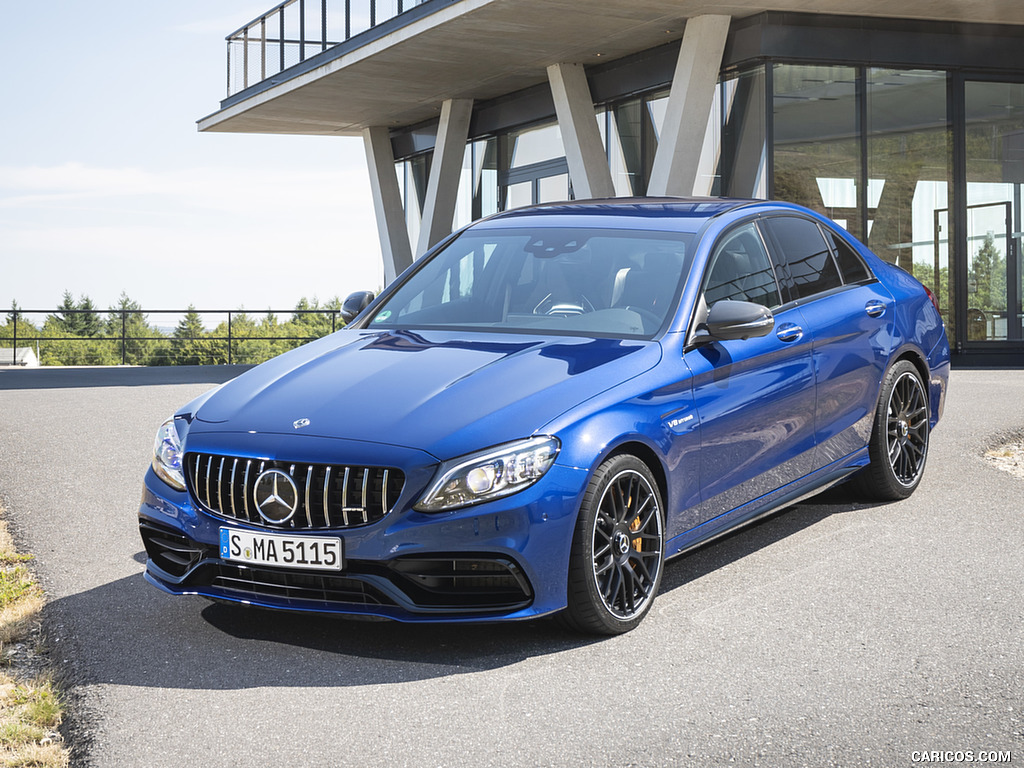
(282, 550)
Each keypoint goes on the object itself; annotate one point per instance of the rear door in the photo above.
(848, 316)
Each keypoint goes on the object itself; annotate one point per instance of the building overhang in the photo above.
(399, 73)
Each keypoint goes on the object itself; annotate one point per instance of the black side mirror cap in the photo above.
(729, 320)
(354, 304)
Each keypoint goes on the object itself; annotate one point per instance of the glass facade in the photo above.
(816, 151)
(926, 166)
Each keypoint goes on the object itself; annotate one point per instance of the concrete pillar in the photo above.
(574, 106)
(387, 202)
(445, 172)
(689, 104)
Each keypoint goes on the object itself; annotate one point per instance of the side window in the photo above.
(851, 267)
(741, 270)
(808, 259)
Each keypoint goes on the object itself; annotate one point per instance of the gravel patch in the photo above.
(1008, 456)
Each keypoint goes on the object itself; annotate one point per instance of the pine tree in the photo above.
(66, 316)
(126, 317)
(190, 348)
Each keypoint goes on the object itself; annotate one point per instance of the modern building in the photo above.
(902, 121)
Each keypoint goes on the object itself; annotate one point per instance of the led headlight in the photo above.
(167, 456)
(489, 474)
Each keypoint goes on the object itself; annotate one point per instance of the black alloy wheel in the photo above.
(899, 440)
(618, 549)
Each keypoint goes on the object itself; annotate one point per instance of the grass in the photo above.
(30, 704)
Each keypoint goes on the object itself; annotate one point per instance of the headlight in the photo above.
(489, 474)
(167, 456)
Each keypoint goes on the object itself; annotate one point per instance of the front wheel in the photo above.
(617, 549)
(899, 437)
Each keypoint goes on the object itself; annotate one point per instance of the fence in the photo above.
(125, 336)
(291, 32)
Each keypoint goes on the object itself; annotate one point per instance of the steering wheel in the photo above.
(563, 308)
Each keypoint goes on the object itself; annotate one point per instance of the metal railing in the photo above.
(294, 30)
(117, 327)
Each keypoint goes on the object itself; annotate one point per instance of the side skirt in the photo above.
(754, 510)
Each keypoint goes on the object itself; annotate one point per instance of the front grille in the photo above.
(328, 496)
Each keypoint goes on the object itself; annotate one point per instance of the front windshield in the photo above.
(594, 282)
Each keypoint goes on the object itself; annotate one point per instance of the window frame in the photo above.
(721, 240)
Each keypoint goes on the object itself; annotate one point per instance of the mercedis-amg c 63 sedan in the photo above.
(541, 411)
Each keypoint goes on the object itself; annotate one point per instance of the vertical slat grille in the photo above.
(329, 496)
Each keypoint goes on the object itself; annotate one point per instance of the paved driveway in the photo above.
(833, 634)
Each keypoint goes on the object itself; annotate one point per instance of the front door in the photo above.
(754, 397)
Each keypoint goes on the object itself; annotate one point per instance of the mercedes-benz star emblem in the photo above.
(276, 496)
(300, 423)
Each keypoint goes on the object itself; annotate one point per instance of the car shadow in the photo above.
(126, 632)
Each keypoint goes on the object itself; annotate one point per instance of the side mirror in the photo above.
(729, 320)
(354, 304)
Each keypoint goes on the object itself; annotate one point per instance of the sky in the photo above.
(107, 187)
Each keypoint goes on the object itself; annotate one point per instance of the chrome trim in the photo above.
(327, 496)
(384, 493)
(245, 490)
(209, 471)
(309, 482)
(344, 497)
(234, 466)
(366, 480)
(220, 483)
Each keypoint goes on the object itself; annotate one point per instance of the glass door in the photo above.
(990, 247)
(994, 155)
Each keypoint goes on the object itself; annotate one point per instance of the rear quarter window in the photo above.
(851, 267)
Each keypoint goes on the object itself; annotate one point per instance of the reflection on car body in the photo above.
(539, 412)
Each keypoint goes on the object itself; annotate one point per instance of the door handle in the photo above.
(875, 308)
(789, 332)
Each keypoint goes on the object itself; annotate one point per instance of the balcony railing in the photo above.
(296, 30)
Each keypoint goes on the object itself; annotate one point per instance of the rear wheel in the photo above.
(617, 549)
(899, 438)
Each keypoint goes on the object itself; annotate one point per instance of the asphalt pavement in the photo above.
(834, 634)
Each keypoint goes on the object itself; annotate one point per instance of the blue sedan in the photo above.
(541, 411)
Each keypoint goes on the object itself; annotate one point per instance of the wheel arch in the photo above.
(650, 458)
(915, 357)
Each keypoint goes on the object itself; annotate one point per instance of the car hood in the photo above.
(439, 392)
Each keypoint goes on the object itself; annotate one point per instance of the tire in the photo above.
(617, 549)
(899, 437)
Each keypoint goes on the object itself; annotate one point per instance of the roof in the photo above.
(399, 73)
(675, 213)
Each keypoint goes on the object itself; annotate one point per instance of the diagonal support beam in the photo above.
(387, 202)
(584, 152)
(445, 172)
(689, 105)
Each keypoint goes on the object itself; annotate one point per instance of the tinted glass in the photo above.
(807, 257)
(549, 280)
(741, 271)
(851, 267)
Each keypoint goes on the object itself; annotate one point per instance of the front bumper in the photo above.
(507, 559)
